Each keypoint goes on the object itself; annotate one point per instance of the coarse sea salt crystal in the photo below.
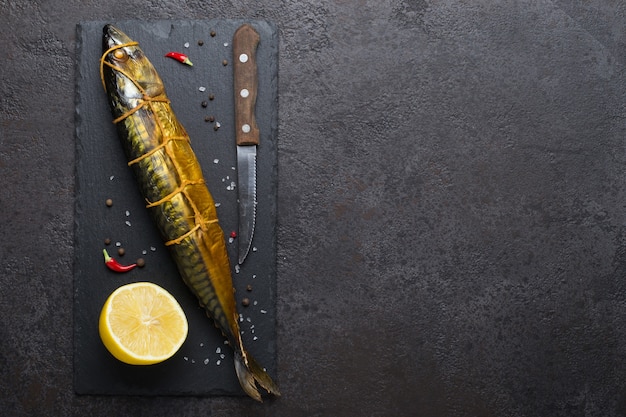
(218, 363)
(218, 204)
(231, 240)
(255, 338)
(111, 177)
(127, 223)
(152, 248)
(127, 213)
(206, 361)
(144, 252)
(216, 161)
(237, 269)
(263, 311)
(186, 45)
(218, 350)
(202, 89)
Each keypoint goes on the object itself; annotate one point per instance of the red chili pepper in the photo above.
(179, 57)
(114, 265)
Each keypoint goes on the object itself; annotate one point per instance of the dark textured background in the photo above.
(451, 208)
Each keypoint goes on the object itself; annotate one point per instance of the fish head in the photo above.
(127, 74)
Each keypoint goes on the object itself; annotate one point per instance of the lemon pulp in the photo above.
(142, 324)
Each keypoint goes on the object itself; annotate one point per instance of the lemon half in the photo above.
(142, 324)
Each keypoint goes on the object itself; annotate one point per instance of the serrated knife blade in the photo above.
(245, 79)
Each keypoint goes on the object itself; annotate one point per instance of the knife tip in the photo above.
(242, 257)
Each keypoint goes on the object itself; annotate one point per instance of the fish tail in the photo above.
(250, 373)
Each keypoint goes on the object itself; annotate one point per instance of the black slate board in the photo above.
(204, 365)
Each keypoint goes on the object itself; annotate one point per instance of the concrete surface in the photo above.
(452, 228)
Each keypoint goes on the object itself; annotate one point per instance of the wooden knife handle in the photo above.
(245, 42)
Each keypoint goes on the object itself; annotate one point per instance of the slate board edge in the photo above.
(80, 182)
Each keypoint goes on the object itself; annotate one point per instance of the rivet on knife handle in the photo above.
(245, 42)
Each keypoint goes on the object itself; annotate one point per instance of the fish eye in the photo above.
(120, 55)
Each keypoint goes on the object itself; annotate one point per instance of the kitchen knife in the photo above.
(245, 42)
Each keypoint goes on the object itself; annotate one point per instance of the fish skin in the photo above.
(171, 180)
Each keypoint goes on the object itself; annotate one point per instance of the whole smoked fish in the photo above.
(170, 178)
